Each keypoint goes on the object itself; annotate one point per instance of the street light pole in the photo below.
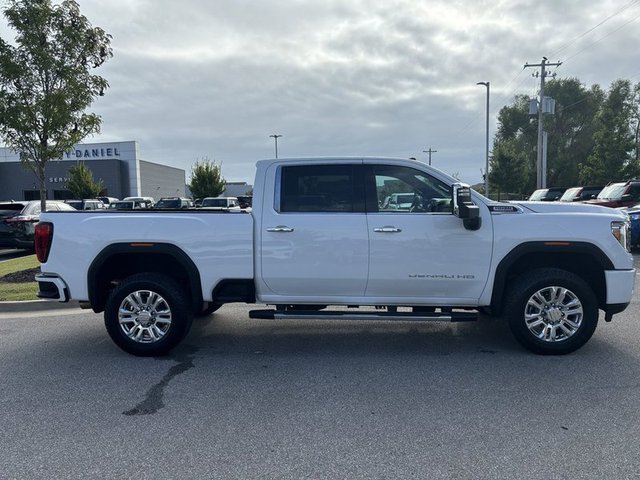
(276, 137)
(486, 167)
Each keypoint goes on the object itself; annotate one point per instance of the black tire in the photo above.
(559, 322)
(208, 308)
(149, 322)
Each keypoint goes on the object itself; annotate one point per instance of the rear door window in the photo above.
(321, 189)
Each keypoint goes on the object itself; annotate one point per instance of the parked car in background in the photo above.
(86, 204)
(398, 201)
(8, 210)
(108, 200)
(634, 217)
(547, 194)
(245, 201)
(129, 205)
(173, 203)
(197, 202)
(148, 200)
(229, 204)
(579, 194)
(21, 227)
(621, 194)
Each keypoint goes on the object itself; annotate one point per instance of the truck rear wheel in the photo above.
(551, 311)
(147, 314)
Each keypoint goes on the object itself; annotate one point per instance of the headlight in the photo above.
(620, 230)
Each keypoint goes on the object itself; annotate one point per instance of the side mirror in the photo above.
(464, 208)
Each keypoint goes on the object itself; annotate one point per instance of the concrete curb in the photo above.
(36, 306)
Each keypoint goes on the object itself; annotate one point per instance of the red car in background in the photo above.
(621, 194)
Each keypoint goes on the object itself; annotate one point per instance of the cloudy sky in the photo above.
(195, 79)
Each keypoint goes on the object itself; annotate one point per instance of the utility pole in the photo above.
(542, 161)
(276, 137)
(429, 152)
(486, 168)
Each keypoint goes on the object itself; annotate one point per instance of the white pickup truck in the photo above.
(318, 236)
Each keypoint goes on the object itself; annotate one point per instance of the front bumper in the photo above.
(52, 287)
(620, 287)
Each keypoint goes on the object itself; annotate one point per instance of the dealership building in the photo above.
(117, 164)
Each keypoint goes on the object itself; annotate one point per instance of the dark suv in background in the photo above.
(17, 229)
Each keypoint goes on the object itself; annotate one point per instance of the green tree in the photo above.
(633, 168)
(511, 169)
(570, 141)
(46, 82)
(613, 137)
(81, 183)
(206, 179)
(570, 129)
(512, 164)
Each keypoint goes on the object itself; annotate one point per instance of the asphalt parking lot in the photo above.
(273, 399)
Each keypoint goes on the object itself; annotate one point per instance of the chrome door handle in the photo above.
(387, 229)
(280, 229)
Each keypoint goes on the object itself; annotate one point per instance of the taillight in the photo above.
(22, 218)
(43, 237)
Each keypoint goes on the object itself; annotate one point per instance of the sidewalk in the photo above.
(36, 306)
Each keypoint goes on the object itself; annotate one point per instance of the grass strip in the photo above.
(18, 264)
(15, 292)
(12, 292)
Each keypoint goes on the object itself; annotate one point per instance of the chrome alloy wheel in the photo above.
(144, 316)
(553, 314)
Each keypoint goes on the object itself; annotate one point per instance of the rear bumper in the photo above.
(52, 287)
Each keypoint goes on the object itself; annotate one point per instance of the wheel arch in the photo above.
(581, 258)
(120, 260)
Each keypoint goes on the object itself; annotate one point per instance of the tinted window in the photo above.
(320, 188)
(214, 202)
(168, 203)
(398, 189)
(634, 191)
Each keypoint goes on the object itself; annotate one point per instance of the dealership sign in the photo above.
(109, 152)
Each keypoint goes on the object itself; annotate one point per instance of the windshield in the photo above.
(570, 194)
(538, 194)
(612, 192)
(214, 202)
(77, 205)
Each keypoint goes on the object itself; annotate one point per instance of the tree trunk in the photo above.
(43, 187)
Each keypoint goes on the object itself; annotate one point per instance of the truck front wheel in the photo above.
(147, 314)
(551, 311)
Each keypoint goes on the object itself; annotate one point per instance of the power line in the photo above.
(602, 38)
(626, 7)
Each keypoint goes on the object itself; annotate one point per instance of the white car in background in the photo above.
(229, 204)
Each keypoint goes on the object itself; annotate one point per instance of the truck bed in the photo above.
(219, 243)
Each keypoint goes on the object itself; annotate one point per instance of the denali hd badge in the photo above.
(503, 209)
